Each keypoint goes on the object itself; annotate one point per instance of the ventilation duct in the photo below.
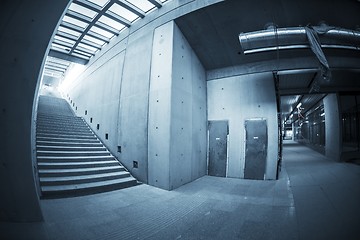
(295, 38)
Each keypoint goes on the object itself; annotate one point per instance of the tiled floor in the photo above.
(315, 198)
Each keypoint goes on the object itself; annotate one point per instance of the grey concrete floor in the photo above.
(315, 198)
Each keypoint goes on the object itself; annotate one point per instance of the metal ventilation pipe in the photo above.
(295, 38)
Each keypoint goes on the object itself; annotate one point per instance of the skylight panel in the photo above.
(123, 12)
(69, 31)
(56, 37)
(92, 49)
(144, 5)
(82, 54)
(100, 3)
(82, 10)
(94, 40)
(112, 23)
(101, 32)
(75, 21)
(59, 47)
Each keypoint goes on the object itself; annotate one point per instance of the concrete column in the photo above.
(294, 131)
(26, 29)
(332, 127)
(177, 111)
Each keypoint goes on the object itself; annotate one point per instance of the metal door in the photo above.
(218, 131)
(255, 148)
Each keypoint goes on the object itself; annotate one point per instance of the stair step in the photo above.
(71, 160)
(53, 181)
(74, 158)
(68, 165)
(52, 126)
(69, 148)
(78, 171)
(49, 122)
(65, 132)
(66, 143)
(55, 135)
(72, 153)
(69, 140)
(85, 188)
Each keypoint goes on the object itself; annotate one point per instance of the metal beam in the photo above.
(92, 6)
(71, 26)
(98, 36)
(92, 23)
(131, 8)
(67, 35)
(55, 69)
(118, 18)
(91, 44)
(62, 43)
(78, 16)
(107, 28)
(67, 57)
(157, 3)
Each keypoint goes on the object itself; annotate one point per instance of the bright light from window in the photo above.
(123, 12)
(100, 3)
(144, 5)
(101, 32)
(111, 23)
(82, 10)
(75, 21)
(73, 72)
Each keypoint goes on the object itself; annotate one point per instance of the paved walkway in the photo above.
(315, 198)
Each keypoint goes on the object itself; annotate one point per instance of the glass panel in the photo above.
(101, 3)
(75, 21)
(62, 29)
(59, 47)
(64, 39)
(111, 23)
(123, 12)
(94, 40)
(101, 32)
(144, 5)
(81, 54)
(92, 49)
(83, 10)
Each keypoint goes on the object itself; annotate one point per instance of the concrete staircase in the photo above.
(71, 160)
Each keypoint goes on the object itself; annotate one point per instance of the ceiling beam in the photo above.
(131, 8)
(67, 57)
(157, 3)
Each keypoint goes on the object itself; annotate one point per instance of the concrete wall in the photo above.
(26, 28)
(114, 88)
(332, 127)
(177, 111)
(236, 99)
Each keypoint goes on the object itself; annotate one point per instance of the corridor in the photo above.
(315, 198)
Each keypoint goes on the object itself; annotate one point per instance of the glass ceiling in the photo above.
(88, 25)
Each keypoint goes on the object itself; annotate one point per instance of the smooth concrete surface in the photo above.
(98, 94)
(177, 111)
(333, 134)
(26, 29)
(314, 199)
(117, 91)
(239, 98)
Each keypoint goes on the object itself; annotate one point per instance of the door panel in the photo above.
(255, 148)
(218, 131)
